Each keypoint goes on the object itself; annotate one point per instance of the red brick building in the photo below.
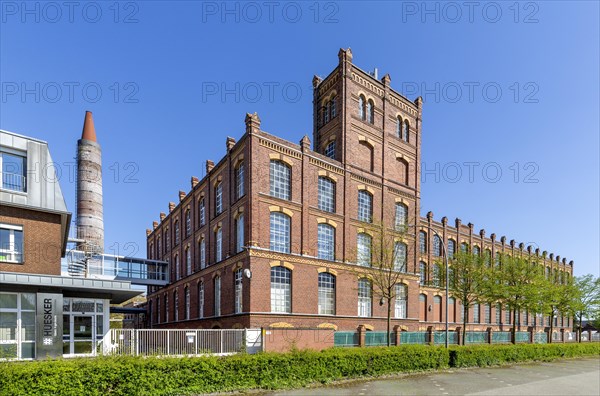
(268, 237)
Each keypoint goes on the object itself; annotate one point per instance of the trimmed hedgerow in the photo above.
(162, 376)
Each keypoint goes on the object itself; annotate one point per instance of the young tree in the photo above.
(555, 298)
(516, 284)
(383, 259)
(467, 279)
(586, 299)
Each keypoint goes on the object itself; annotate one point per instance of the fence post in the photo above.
(531, 331)
(459, 331)
(397, 337)
(168, 342)
(430, 335)
(137, 341)
(221, 336)
(361, 335)
(490, 332)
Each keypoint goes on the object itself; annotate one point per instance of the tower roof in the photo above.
(89, 132)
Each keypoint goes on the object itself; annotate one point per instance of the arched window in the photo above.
(158, 312)
(217, 295)
(280, 232)
(423, 272)
(362, 113)
(177, 269)
(237, 279)
(405, 132)
(422, 307)
(167, 240)
(488, 258)
(239, 180)
(364, 249)
(326, 190)
(403, 170)
(498, 311)
(202, 250)
(176, 232)
(488, 313)
(365, 206)
(437, 246)
(437, 308)
(187, 302)
(436, 275)
(464, 247)
(366, 153)
(400, 257)
(326, 242)
(422, 242)
(188, 223)
(201, 299)
(476, 250)
(159, 247)
(332, 107)
(330, 150)
(452, 310)
(326, 304)
(188, 261)
(451, 248)
(326, 112)
(399, 127)
(218, 244)
(401, 303)
(370, 112)
(476, 318)
(365, 297)
(239, 233)
(201, 212)
(167, 316)
(218, 198)
(281, 290)
(280, 180)
(176, 305)
(401, 217)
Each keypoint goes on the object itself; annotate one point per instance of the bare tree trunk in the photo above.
(551, 327)
(514, 326)
(465, 320)
(579, 329)
(389, 319)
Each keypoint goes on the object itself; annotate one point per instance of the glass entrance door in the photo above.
(81, 337)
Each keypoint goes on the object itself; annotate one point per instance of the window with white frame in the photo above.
(188, 224)
(237, 279)
(177, 269)
(239, 181)
(167, 316)
(326, 242)
(451, 248)
(13, 170)
(399, 127)
(218, 198)
(279, 232)
(437, 246)
(201, 299)
(326, 294)
(401, 217)
(488, 313)
(187, 303)
(188, 261)
(239, 233)
(202, 248)
(370, 112)
(405, 132)
(400, 256)
(217, 295)
(401, 302)
(202, 212)
(17, 325)
(362, 113)
(177, 235)
(423, 272)
(281, 290)
(365, 297)
(498, 310)
(11, 243)
(176, 307)
(218, 245)
(422, 242)
(330, 150)
(280, 180)
(365, 206)
(476, 318)
(326, 189)
(364, 242)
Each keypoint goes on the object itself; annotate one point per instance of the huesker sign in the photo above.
(49, 325)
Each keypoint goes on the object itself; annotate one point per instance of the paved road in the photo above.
(565, 377)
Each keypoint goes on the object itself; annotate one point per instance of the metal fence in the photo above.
(501, 337)
(476, 337)
(540, 338)
(171, 342)
(522, 337)
(413, 337)
(345, 338)
(439, 337)
(378, 338)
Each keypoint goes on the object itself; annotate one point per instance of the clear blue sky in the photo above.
(158, 120)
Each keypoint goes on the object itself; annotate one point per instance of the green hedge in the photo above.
(162, 376)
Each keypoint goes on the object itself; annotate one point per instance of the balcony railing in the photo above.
(14, 182)
(106, 266)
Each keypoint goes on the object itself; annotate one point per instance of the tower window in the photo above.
(326, 242)
(326, 194)
(362, 111)
(280, 232)
(370, 112)
(405, 132)
(330, 150)
(280, 180)
(365, 206)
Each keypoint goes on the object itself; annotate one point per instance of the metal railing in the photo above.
(14, 182)
(178, 342)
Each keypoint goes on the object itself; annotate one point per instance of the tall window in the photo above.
(365, 297)
(401, 303)
(399, 127)
(280, 232)
(281, 290)
(436, 275)
(400, 257)
(280, 180)
(188, 261)
(370, 112)
(14, 174)
(405, 132)
(201, 300)
(451, 248)
(476, 318)
(202, 248)
(326, 194)
(507, 315)
(176, 306)
(167, 240)
(239, 180)
(218, 245)
(464, 247)
(11, 243)
(332, 107)
(187, 302)
(364, 249)
(437, 308)
(239, 233)
(330, 150)
(422, 242)
(159, 247)
(202, 212)
(237, 278)
(217, 291)
(365, 206)
(476, 250)
(362, 113)
(188, 223)
(158, 313)
(452, 309)
(437, 246)
(326, 113)
(326, 294)
(177, 232)
(218, 198)
(401, 217)
(423, 272)
(177, 269)
(326, 242)
(488, 313)
(167, 316)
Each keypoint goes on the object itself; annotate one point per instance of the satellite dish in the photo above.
(248, 273)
